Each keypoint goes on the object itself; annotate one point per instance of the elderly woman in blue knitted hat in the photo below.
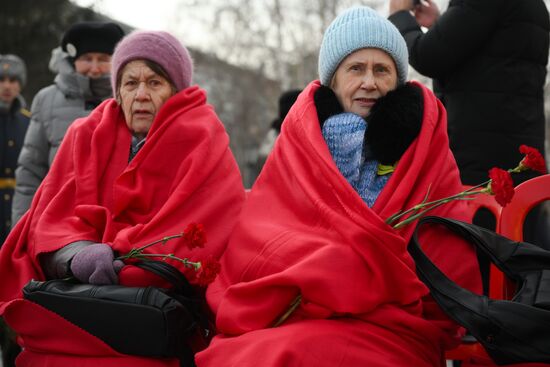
(150, 163)
(313, 275)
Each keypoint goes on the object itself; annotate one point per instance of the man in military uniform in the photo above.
(14, 121)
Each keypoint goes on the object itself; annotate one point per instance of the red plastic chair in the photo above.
(510, 224)
(470, 348)
(527, 195)
(483, 201)
(496, 278)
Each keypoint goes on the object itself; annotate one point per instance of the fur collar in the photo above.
(394, 122)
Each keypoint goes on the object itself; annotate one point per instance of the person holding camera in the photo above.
(489, 78)
(491, 81)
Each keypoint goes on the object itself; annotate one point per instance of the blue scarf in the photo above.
(344, 134)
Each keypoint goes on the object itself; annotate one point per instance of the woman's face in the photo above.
(93, 64)
(363, 77)
(141, 94)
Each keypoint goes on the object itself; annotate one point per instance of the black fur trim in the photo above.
(326, 103)
(394, 122)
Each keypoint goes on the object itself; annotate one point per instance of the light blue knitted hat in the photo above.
(357, 28)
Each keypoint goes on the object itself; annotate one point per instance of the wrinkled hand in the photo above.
(426, 13)
(398, 5)
(95, 264)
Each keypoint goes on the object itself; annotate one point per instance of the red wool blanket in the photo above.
(304, 230)
(185, 173)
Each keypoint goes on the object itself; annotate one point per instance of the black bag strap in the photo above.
(169, 273)
(449, 295)
(511, 331)
(511, 257)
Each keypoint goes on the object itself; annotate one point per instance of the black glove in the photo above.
(326, 103)
(394, 122)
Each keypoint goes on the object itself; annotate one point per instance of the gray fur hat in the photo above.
(13, 66)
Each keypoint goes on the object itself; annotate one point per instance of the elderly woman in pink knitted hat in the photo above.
(152, 162)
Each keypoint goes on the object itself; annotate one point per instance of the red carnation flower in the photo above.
(208, 271)
(501, 185)
(194, 236)
(533, 159)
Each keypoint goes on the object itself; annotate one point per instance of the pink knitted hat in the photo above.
(157, 46)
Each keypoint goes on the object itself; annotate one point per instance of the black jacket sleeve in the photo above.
(459, 33)
(56, 265)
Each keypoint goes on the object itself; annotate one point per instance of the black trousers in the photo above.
(10, 349)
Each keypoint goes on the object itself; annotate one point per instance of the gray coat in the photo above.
(53, 109)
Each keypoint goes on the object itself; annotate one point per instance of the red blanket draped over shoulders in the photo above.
(304, 230)
(184, 173)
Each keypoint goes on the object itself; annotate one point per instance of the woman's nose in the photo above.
(94, 68)
(368, 81)
(141, 91)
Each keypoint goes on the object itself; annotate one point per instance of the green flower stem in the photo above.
(185, 261)
(163, 240)
(518, 169)
(418, 215)
(419, 209)
(483, 184)
(137, 253)
(293, 306)
(400, 214)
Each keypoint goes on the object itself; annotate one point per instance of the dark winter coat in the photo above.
(488, 61)
(13, 126)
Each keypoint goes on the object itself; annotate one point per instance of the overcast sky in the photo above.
(165, 15)
(151, 15)
(138, 13)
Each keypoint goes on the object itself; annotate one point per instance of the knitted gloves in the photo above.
(95, 264)
(344, 134)
(394, 122)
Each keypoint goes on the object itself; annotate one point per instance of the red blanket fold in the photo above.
(304, 230)
(184, 173)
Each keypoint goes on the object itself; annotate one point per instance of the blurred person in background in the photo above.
(83, 66)
(14, 121)
(487, 59)
(286, 100)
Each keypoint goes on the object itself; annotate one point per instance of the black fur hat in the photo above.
(85, 37)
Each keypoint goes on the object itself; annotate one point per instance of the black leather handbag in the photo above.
(148, 321)
(514, 331)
